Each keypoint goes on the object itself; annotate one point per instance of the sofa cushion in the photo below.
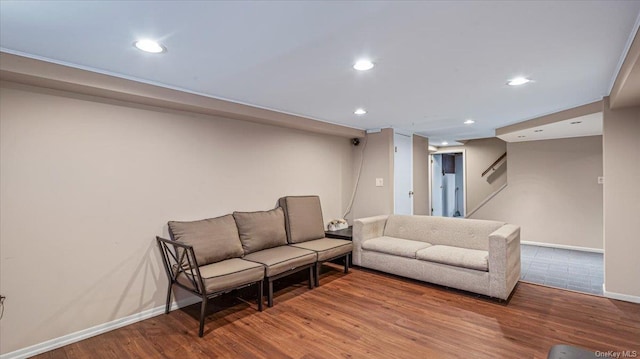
(455, 256)
(282, 259)
(395, 246)
(213, 239)
(327, 248)
(228, 274)
(261, 230)
(303, 218)
(458, 232)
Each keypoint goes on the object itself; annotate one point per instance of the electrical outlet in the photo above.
(600, 180)
(379, 182)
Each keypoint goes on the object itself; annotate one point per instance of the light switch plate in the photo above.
(379, 182)
(600, 180)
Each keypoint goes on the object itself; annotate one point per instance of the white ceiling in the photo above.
(437, 63)
(587, 125)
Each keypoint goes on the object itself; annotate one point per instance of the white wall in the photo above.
(553, 192)
(87, 184)
(449, 184)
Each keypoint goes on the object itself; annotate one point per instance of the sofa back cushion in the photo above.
(213, 239)
(261, 230)
(303, 218)
(457, 232)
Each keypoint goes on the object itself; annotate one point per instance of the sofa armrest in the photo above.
(504, 260)
(179, 258)
(366, 228)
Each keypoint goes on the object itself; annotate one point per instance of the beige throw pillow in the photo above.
(261, 230)
(304, 218)
(213, 239)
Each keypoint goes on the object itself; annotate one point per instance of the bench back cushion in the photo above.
(213, 239)
(457, 232)
(303, 218)
(261, 230)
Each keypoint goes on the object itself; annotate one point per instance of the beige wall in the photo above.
(378, 163)
(421, 201)
(553, 192)
(621, 133)
(86, 185)
(480, 154)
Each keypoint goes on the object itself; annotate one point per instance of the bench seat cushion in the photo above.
(327, 248)
(227, 274)
(456, 256)
(394, 246)
(282, 259)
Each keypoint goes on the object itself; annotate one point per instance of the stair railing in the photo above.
(494, 164)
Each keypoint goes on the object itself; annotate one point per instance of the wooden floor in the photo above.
(367, 314)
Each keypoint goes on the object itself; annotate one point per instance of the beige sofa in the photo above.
(213, 256)
(473, 255)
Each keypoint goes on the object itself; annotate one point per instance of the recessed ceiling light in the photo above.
(444, 143)
(538, 130)
(151, 46)
(360, 111)
(518, 81)
(469, 121)
(575, 122)
(363, 65)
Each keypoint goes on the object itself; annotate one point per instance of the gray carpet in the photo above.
(563, 268)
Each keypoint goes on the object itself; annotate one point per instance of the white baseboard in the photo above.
(618, 296)
(93, 331)
(562, 246)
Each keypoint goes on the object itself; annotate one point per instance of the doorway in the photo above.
(448, 184)
(402, 173)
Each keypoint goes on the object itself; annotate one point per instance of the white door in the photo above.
(437, 184)
(459, 207)
(403, 174)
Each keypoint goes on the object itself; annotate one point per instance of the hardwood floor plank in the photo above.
(367, 314)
